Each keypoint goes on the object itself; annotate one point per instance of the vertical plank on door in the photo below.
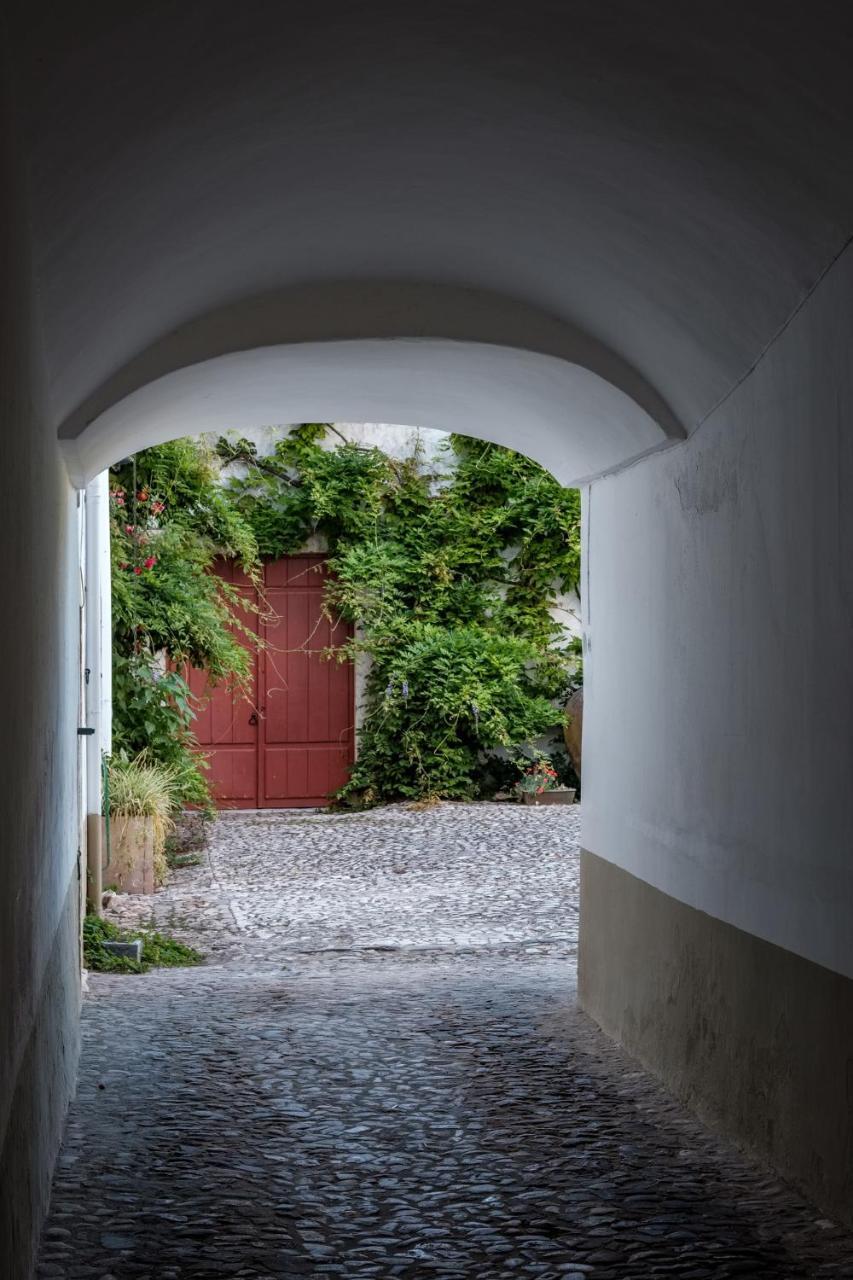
(307, 732)
(301, 749)
(223, 723)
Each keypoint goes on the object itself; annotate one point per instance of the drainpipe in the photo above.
(98, 674)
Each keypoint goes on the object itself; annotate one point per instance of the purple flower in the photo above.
(406, 689)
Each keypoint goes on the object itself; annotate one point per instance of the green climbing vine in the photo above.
(449, 576)
(169, 519)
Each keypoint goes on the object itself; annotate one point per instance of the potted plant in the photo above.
(142, 800)
(540, 784)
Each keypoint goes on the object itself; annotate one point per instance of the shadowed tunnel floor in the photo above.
(382, 1073)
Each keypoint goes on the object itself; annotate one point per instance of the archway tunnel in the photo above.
(618, 239)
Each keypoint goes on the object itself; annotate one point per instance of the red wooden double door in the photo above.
(289, 744)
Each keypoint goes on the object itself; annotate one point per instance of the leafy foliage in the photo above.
(450, 581)
(537, 775)
(169, 520)
(158, 950)
(152, 714)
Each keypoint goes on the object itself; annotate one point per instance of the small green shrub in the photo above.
(537, 774)
(152, 716)
(158, 950)
(439, 697)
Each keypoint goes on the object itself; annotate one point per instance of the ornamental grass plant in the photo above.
(144, 788)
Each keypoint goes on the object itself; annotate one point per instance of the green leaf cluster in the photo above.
(449, 577)
(170, 519)
(158, 950)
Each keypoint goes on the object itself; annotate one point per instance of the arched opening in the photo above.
(539, 385)
(645, 216)
(519, 560)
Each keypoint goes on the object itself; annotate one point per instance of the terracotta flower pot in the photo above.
(565, 795)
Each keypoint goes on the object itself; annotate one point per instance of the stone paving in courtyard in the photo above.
(381, 1072)
(484, 876)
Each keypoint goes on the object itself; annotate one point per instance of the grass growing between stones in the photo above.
(158, 950)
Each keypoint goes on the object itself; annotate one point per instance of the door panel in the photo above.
(291, 743)
(303, 775)
(307, 700)
(226, 723)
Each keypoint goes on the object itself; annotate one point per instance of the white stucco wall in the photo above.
(718, 754)
(397, 440)
(98, 652)
(39, 797)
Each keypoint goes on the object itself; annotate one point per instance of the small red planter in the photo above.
(566, 796)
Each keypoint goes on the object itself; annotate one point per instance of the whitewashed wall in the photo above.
(40, 584)
(719, 681)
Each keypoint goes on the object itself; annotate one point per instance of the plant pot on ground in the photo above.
(558, 795)
(142, 800)
(539, 782)
(131, 865)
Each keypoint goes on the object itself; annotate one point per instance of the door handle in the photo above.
(253, 718)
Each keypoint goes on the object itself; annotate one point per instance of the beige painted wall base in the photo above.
(755, 1039)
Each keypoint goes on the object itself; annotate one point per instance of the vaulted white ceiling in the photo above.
(573, 226)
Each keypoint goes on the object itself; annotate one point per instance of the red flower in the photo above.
(142, 496)
(137, 568)
(150, 562)
(157, 507)
(128, 528)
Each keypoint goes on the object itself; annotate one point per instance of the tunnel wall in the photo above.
(718, 756)
(39, 891)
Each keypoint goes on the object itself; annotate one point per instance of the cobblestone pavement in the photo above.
(311, 1103)
(460, 876)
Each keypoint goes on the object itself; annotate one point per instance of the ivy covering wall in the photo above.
(449, 575)
(169, 519)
